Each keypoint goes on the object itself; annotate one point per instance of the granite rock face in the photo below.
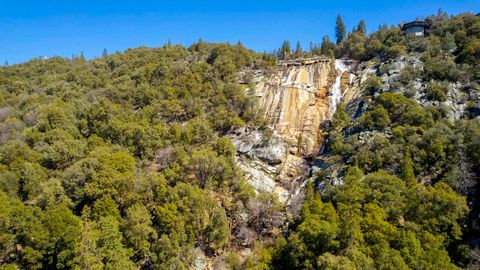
(298, 99)
(295, 100)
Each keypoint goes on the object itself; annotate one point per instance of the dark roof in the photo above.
(425, 24)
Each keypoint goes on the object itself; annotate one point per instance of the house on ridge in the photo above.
(416, 28)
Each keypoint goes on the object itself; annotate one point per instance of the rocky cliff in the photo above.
(295, 100)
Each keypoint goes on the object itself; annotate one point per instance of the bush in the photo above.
(436, 91)
(396, 51)
(406, 75)
(372, 84)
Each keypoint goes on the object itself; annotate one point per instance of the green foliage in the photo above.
(372, 224)
(395, 51)
(340, 29)
(377, 117)
(394, 210)
(327, 47)
(354, 45)
(341, 118)
(362, 27)
(101, 246)
(408, 175)
(436, 91)
(372, 84)
(130, 143)
(286, 48)
(471, 52)
(120, 162)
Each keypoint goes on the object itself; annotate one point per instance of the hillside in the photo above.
(363, 154)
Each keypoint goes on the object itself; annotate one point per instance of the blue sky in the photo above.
(63, 27)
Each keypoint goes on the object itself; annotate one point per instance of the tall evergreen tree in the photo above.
(408, 174)
(326, 47)
(298, 49)
(5, 63)
(82, 56)
(448, 42)
(104, 53)
(340, 29)
(362, 27)
(285, 49)
(315, 49)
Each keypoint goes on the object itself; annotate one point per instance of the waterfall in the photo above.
(335, 93)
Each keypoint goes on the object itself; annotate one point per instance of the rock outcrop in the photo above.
(266, 161)
(297, 99)
(294, 100)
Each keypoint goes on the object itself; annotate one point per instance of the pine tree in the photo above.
(327, 46)
(448, 42)
(86, 249)
(340, 30)
(110, 247)
(315, 49)
(407, 170)
(362, 27)
(138, 229)
(298, 49)
(104, 53)
(286, 48)
(5, 63)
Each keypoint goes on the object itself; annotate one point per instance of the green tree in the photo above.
(372, 84)
(298, 49)
(340, 29)
(104, 53)
(327, 47)
(408, 174)
(362, 27)
(286, 48)
(139, 232)
(436, 91)
(354, 46)
(86, 249)
(101, 246)
(448, 42)
(113, 252)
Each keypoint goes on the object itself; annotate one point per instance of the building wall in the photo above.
(415, 31)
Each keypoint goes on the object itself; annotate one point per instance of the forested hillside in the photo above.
(409, 195)
(122, 162)
(79, 184)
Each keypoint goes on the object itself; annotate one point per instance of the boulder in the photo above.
(272, 153)
(246, 141)
(257, 176)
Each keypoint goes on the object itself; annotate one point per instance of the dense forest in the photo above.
(121, 162)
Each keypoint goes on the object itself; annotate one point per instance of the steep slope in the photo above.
(296, 98)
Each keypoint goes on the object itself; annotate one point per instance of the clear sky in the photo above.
(33, 28)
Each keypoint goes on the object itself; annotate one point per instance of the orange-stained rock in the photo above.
(294, 99)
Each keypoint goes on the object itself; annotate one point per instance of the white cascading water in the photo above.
(335, 93)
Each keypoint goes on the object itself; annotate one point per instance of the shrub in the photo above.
(436, 91)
